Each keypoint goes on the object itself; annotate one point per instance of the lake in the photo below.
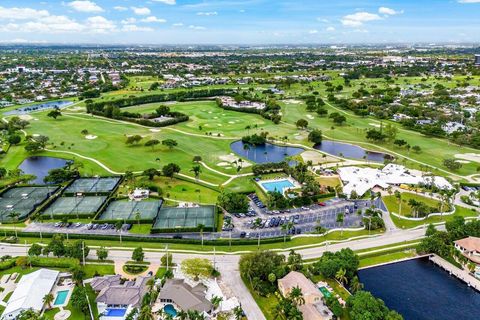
(265, 153)
(350, 151)
(420, 290)
(39, 107)
(39, 166)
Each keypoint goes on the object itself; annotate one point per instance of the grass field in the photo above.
(460, 211)
(393, 206)
(388, 257)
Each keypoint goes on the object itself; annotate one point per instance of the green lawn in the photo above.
(140, 229)
(266, 304)
(460, 211)
(393, 206)
(388, 257)
(7, 297)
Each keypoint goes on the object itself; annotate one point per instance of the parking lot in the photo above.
(268, 223)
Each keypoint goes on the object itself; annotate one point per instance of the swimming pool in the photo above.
(170, 310)
(61, 297)
(279, 185)
(325, 292)
(115, 312)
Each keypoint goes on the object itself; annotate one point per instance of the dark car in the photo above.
(243, 234)
(177, 236)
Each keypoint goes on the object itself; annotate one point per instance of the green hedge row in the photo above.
(133, 238)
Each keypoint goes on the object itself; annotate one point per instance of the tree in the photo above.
(238, 313)
(152, 143)
(315, 136)
(452, 164)
(3, 172)
(256, 267)
(330, 263)
(216, 301)
(355, 285)
(416, 149)
(59, 175)
(133, 139)
(167, 259)
(170, 170)
(55, 113)
(398, 195)
(196, 171)
(151, 173)
(14, 139)
(233, 202)
(79, 299)
(35, 250)
(375, 135)
(170, 143)
(197, 268)
(340, 276)
(302, 124)
(297, 296)
(102, 253)
(340, 220)
(197, 159)
(137, 254)
(13, 215)
(29, 315)
(339, 120)
(33, 147)
(363, 305)
(48, 299)
(390, 132)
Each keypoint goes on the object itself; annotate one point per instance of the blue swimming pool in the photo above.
(117, 312)
(61, 298)
(170, 310)
(279, 185)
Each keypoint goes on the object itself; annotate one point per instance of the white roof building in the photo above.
(361, 180)
(30, 292)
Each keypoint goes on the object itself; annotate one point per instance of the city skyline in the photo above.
(239, 22)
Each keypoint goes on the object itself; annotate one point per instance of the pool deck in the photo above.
(65, 287)
(296, 185)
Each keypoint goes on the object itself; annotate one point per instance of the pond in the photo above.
(265, 153)
(39, 107)
(350, 151)
(419, 290)
(39, 166)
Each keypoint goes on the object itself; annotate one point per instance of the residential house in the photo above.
(314, 308)
(185, 297)
(470, 249)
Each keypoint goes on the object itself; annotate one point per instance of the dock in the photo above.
(463, 275)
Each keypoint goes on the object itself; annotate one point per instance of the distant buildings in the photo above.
(477, 59)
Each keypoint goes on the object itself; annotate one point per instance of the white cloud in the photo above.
(129, 21)
(141, 11)
(153, 19)
(196, 27)
(120, 8)
(135, 28)
(99, 24)
(389, 11)
(169, 2)
(178, 24)
(212, 13)
(85, 6)
(323, 20)
(21, 13)
(313, 31)
(330, 29)
(359, 18)
(468, 1)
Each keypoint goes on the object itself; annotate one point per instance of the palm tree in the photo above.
(355, 285)
(196, 171)
(182, 315)
(246, 148)
(137, 216)
(340, 220)
(340, 276)
(398, 195)
(238, 312)
(146, 313)
(297, 296)
(216, 301)
(201, 227)
(48, 299)
(14, 216)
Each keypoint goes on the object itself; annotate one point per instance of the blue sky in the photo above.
(239, 21)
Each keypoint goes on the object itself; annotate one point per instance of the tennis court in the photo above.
(93, 185)
(131, 210)
(23, 201)
(81, 206)
(170, 217)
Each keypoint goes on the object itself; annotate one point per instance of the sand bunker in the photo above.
(309, 116)
(292, 101)
(376, 125)
(475, 157)
(90, 137)
(155, 130)
(227, 160)
(25, 117)
(231, 122)
(316, 157)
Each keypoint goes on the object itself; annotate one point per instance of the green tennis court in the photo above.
(170, 217)
(22, 201)
(81, 206)
(131, 210)
(93, 185)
